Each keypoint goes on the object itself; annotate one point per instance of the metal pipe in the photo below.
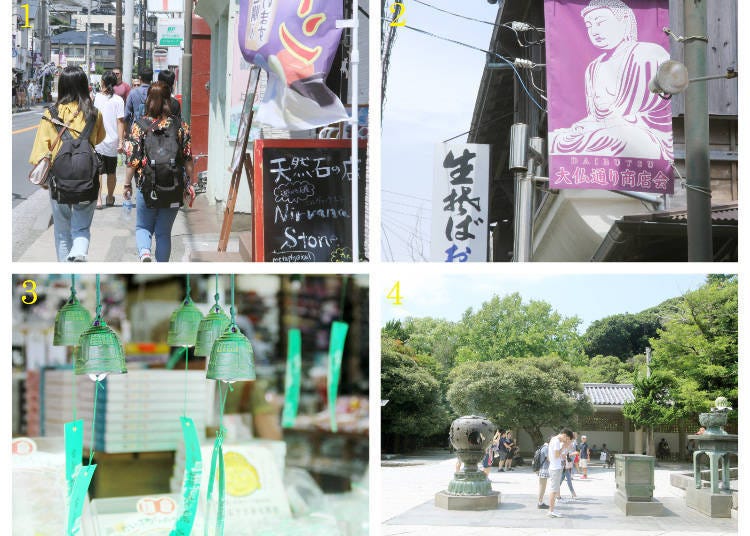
(87, 59)
(656, 200)
(697, 164)
(127, 43)
(187, 62)
(355, 130)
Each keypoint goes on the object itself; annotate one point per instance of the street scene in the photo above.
(526, 402)
(279, 87)
(558, 130)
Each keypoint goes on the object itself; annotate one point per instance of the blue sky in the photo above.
(588, 296)
(432, 87)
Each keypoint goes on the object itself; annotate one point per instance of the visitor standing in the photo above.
(556, 451)
(158, 153)
(585, 455)
(510, 447)
(74, 178)
(543, 476)
(112, 109)
(168, 77)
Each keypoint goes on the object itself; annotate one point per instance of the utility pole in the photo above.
(650, 429)
(187, 60)
(87, 59)
(697, 163)
(118, 34)
(127, 45)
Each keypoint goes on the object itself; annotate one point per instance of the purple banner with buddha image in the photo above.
(606, 129)
(295, 42)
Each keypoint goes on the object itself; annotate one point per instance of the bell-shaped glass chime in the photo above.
(183, 325)
(71, 320)
(212, 326)
(100, 351)
(231, 357)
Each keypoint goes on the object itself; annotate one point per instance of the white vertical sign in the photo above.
(460, 203)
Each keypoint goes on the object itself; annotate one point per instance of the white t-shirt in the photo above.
(555, 458)
(112, 109)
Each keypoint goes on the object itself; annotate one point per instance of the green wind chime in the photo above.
(100, 354)
(231, 360)
(293, 375)
(183, 331)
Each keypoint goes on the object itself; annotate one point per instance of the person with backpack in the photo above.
(540, 465)
(158, 154)
(74, 170)
(135, 105)
(112, 109)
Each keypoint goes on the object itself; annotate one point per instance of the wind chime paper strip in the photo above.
(217, 456)
(607, 130)
(82, 480)
(335, 355)
(191, 483)
(73, 450)
(293, 378)
(295, 42)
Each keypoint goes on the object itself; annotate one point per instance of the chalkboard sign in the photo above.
(303, 200)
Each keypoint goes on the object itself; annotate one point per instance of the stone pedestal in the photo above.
(638, 508)
(708, 503)
(446, 500)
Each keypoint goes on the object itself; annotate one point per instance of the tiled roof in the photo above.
(727, 212)
(608, 394)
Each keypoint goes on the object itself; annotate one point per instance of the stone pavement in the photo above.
(195, 233)
(409, 484)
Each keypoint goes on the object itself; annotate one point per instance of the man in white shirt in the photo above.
(558, 446)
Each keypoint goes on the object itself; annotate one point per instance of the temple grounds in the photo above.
(410, 483)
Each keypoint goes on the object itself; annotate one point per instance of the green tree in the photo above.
(394, 329)
(529, 393)
(621, 335)
(434, 336)
(653, 404)
(699, 344)
(415, 408)
(508, 327)
(606, 369)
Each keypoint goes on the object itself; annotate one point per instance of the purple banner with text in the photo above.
(606, 129)
(295, 42)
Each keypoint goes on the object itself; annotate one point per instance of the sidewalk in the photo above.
(409, 484)
(195, 234)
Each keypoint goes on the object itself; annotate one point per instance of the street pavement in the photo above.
(409, 484)
(195, 234)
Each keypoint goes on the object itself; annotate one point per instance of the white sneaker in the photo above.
(554, 514)
(146, 256)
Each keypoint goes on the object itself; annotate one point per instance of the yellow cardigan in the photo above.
(47, 131)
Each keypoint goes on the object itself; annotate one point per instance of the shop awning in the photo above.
(662, 236)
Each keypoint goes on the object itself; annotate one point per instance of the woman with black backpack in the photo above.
(74, 171)
(158, 154)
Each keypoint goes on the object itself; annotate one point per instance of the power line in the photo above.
(387, 240)
(498, 56)
(405, 214)
(456, 14)
(483, 123)
(405, 195)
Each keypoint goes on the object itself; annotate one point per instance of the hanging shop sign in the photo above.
(170, 33)
(166, 6)
(295, 42)
(303, 200)
(460, 203)
(606, 129)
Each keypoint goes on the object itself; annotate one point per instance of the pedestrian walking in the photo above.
(121, 88)
(136, 101)
(567, 472)
(557, 448)
(585, 456)
(74, 178)
(112, 109)
(168, 77)
(158, 154)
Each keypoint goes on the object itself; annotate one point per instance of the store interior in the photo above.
(283, 453)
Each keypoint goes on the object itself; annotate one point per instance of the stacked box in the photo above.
(135, 412)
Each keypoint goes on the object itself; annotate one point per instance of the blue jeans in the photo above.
(151, 222)
(72, 229)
